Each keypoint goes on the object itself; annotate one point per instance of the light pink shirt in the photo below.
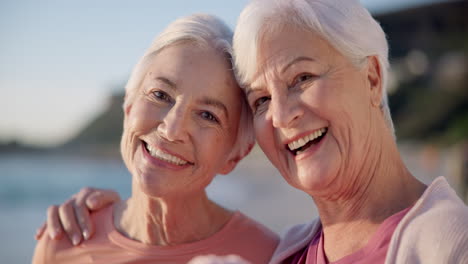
(241, 235)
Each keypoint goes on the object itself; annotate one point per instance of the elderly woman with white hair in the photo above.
(185, 120)
(315, 73)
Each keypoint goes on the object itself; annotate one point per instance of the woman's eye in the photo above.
(209, 116)
(260, 101)
(303, 78)
(160, 95)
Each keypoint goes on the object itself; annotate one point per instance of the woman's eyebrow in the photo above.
(205, 100)
(250, 90)
(296, 60)
(215, 103)
(168, 82)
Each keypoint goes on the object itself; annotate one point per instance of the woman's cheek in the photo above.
(264, 135)
(125, 149)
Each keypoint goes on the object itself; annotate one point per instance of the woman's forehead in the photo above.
(192, 64)
(283, 50)
(195, 70)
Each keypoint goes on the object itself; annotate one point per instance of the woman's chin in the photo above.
(314, 179)
(316, 173)
(148, 185)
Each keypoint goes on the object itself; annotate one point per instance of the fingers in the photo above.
(73, 217)
(100, 198)
(69, 222)
(82, 213)
(75, 213)
(54, 228)
(40, 231)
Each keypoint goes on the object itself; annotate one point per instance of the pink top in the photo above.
(241, 235)
(433, 231)
(374, 252)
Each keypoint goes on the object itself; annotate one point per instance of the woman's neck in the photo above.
(381, 187)
(170, 221)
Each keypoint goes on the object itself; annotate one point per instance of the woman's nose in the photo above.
(173, 127)
(284, 110)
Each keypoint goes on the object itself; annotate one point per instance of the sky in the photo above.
(61, 60)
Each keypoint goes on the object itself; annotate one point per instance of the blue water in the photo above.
(30, 183)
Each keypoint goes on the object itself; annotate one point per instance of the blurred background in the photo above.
(63, 66)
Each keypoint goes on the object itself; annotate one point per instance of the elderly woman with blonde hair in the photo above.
(315, 75)
(185, 120)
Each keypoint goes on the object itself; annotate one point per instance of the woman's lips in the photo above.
(161, 158)
(311, 149)
(303, 143)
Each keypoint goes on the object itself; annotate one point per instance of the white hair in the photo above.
(206, 31)
(345, 24)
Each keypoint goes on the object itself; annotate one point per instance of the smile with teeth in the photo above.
(301, 144)
(159, 154)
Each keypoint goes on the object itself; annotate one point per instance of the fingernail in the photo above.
(86, 234)
(36, 236)
(76, 240)
(54, 234)
(92, 202)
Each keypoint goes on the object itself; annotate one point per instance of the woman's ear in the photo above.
(127, 109)
(232, 162)
(374, 79)
(126, 105)
(229, 166)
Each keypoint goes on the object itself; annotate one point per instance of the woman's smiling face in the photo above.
(312, 108)
(182, 124)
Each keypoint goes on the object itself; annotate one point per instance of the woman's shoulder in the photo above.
(435, 229)
(48, 249)
(439, 194)
(241, 236)
(438, 206)
(294, 239)
(43, 251)
(63, 251)
(254, 230)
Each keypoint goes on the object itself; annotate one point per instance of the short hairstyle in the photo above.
(345, 24)
(206, 31)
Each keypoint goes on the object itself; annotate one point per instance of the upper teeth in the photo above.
(157, 153)
(304, 140)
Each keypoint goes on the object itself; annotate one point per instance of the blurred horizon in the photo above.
(61, 61)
